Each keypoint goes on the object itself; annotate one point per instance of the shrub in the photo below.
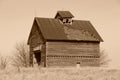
(21, 56)
(3, 62)
(104, 60)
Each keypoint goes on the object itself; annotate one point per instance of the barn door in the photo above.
(37, 55)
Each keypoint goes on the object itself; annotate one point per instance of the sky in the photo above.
(16, 19)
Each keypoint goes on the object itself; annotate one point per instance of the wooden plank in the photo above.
(63, 49)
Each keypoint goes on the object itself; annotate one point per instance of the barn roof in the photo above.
(79, 30)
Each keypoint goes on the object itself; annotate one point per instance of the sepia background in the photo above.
(16, 18)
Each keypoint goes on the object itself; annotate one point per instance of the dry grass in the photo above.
(60, 74)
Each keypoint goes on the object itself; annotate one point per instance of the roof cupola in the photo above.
(64, 16)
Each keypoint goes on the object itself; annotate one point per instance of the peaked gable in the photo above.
(35, 35)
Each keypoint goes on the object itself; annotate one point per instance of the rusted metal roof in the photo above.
(80, 30)
(64, 14)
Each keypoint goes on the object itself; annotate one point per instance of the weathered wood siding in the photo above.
(71, 53)
(36, 39)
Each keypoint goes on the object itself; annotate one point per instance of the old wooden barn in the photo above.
(62, 41)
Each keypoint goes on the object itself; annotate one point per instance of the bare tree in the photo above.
(104, 59)
(3, 62)
(21, 56)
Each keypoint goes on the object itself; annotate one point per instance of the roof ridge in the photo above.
(54, 18)
(43, 18)
(80, 20)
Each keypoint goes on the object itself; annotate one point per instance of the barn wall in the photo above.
(36, 39)
(72, 53)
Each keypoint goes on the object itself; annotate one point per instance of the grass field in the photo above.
(60, 74)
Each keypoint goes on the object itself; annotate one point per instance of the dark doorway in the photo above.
(38, 57)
